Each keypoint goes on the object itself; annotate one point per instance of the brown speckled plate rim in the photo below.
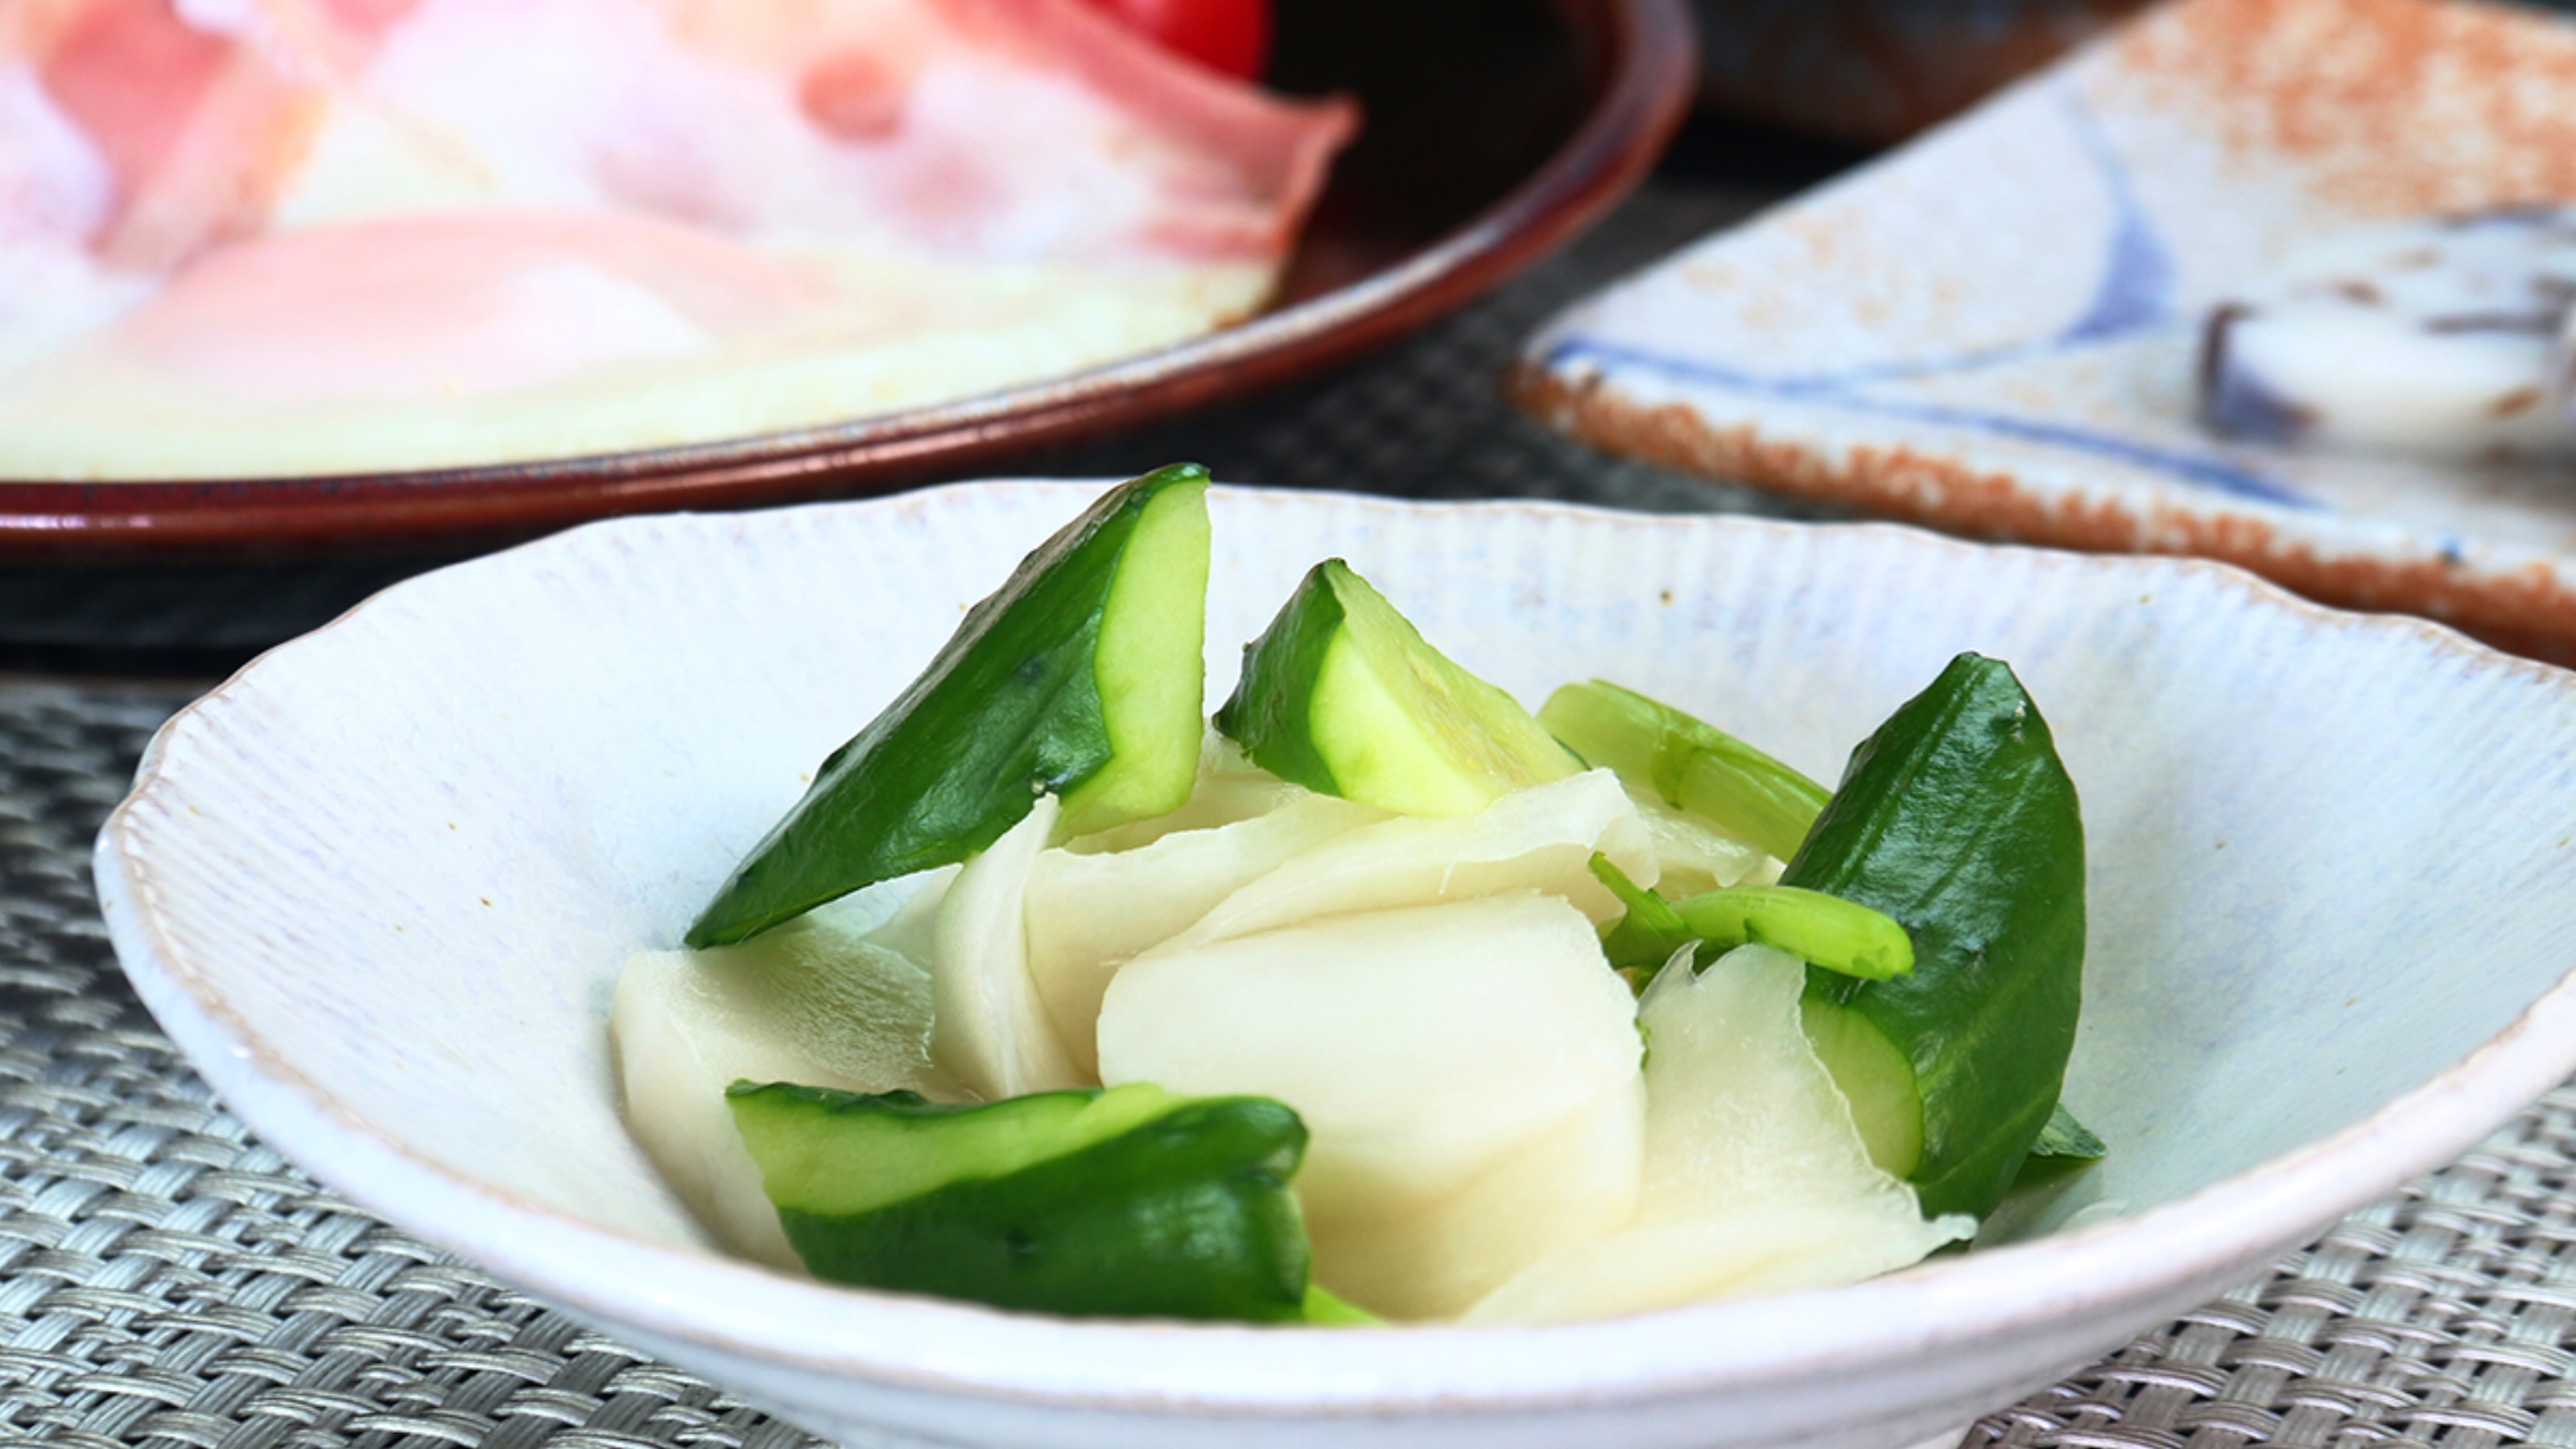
(2522, 601)
(1648, 57)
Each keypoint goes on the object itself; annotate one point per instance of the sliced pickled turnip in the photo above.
(821, 1002)
(1756, 1179)
(1538, 839)
(1419, 1045)
(1088, 914)
(989, 1027)
(1695, 858)
(1573, 1182)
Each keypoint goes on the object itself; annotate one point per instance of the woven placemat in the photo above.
(166, 1280)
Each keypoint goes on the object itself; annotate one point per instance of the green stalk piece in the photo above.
(1691, 766)
(1648, 932)
(1341, 694)
(1836, 935)
(1957, 819)
(1129, 1203)
(1082, 677)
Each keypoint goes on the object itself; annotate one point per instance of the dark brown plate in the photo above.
(1496, 129)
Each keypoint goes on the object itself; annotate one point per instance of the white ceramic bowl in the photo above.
(379, 886)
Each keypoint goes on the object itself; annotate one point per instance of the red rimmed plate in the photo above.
(1496, 132)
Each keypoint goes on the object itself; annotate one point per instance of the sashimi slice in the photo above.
(912, 336)
(1755, 1179)
(999, 130)
(198, 130)
(443, 307)
(971, 194)
(56, 192)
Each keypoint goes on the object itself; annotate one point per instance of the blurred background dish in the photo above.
(1495, 131)
(1997, 329)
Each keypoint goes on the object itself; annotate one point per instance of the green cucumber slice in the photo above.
(1129, 1203)
(1343, 696)
(1957, 819)
(1081, 677)
(1691, 766)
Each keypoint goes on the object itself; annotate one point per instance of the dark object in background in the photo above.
(1879, 70)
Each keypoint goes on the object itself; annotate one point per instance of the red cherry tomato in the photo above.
(1231, 36)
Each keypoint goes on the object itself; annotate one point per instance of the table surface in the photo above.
(166, 1280)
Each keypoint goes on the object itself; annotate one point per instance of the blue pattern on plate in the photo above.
(2135, 295)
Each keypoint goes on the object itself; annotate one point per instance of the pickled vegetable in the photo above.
(1957, 819)
(1688, 764)
(1342, 695)
(1081, 677)
(1129, 1202)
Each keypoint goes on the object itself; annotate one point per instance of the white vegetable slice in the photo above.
(1088, 914)
(1575, 1181)
(989, 1027)
(1695, 858)
(1417, 1044)
(1539, 839)
(1755, 1178)
(817, 1001)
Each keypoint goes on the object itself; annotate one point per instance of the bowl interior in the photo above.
(399, 863)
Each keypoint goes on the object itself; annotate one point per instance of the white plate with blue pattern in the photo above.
(1996, 330)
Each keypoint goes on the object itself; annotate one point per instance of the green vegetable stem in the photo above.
(1691, 766)
(1130, 1202)
(1821, 930)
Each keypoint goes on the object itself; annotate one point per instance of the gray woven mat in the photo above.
(166, 1280)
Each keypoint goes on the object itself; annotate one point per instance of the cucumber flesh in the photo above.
(1342, 695)
(1874, 1078)
(827, 1153)
(1080, 677)
(1150, 669)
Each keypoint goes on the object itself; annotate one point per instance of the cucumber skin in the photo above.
(1008, 710)
(1957, 819)
(1267, 713)
(1185, 1215)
